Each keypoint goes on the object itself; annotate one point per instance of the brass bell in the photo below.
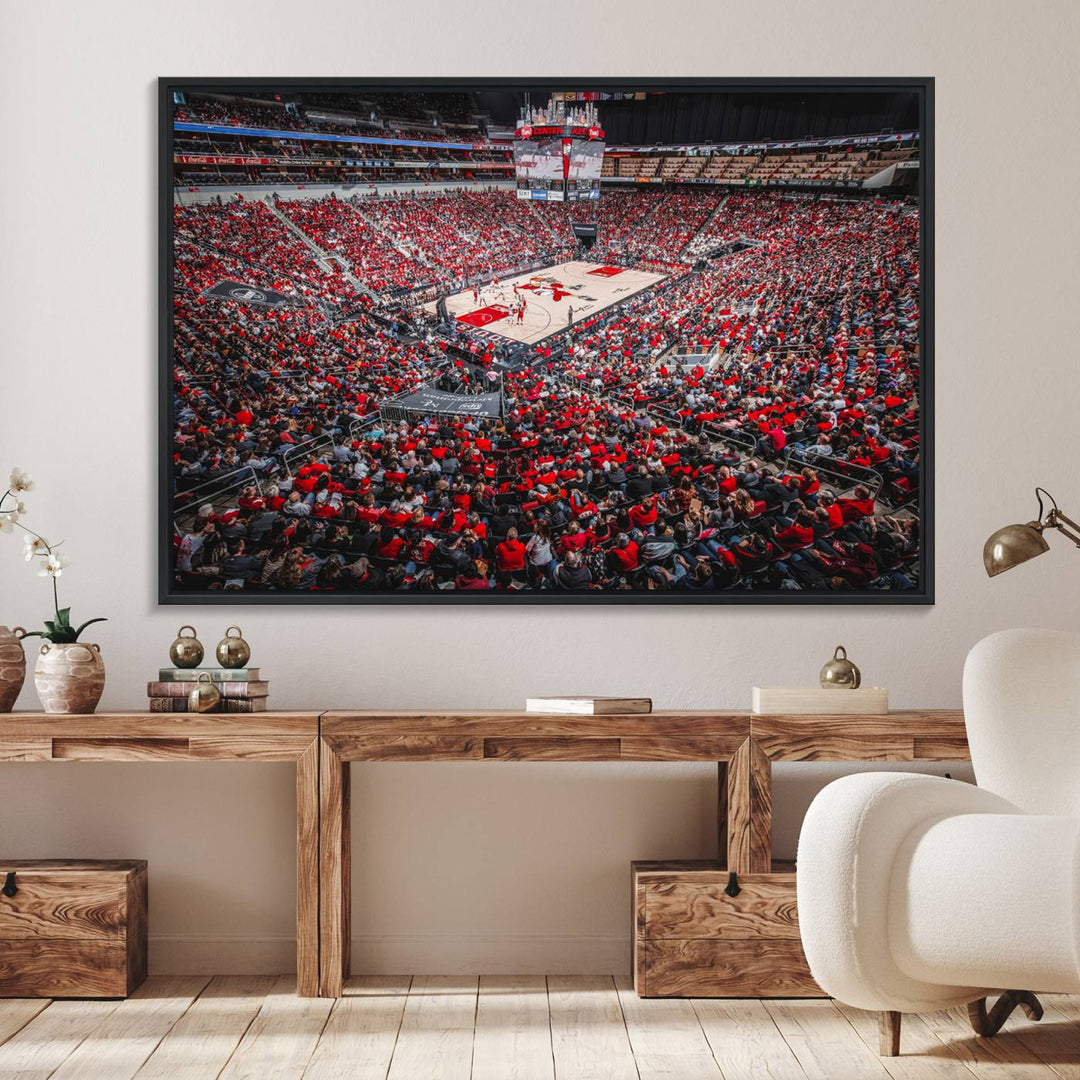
(233, 652)
(204, 695)
(186, 652)
(840, 673)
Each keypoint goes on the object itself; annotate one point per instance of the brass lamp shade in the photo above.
(1012, 545)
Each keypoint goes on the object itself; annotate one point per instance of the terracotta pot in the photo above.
(69, 678)
(12, 666)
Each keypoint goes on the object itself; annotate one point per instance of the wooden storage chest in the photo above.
(71, 928)
(693, 939)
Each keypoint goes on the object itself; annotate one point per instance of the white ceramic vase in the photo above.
(69, 678)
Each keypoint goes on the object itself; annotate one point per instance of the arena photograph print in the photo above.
(586, 341)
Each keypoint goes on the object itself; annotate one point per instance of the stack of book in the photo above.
(241, 689)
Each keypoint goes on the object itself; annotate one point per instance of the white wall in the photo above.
(499, 867)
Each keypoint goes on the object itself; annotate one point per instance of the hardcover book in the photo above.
(229, 705)
(245, 705)
(225, 689)
(588, 706)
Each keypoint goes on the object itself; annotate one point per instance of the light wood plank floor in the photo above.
(524, 1027)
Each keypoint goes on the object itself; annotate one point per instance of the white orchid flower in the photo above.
(20, 481)
(53, 566)
(7, 520)
(34, 545)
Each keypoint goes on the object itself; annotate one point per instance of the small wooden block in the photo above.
(817, 701)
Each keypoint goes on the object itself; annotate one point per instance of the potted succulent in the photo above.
(69, 674)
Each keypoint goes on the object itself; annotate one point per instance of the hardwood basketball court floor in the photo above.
(549, 294)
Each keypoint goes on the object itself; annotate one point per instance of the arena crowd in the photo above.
(781, 454)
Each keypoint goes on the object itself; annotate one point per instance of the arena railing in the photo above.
(742, 442)
(305, 449)
(688, 356)
(208, 490)
(358, 426)
(846, 473)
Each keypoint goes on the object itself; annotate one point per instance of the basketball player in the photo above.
(570, 316)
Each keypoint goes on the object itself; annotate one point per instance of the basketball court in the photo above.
(549, 295)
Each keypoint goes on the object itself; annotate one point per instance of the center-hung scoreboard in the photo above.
(558, 162)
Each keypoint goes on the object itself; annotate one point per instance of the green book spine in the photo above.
(218, 674)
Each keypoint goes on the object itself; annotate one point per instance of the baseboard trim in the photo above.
(446, 954)
(183, 955)
(431, 954)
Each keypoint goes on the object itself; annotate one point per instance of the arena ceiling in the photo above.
(731, 116)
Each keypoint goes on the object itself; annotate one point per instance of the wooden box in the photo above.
(72, 928)
(691, 939)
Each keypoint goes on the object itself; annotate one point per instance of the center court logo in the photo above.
(247, 294)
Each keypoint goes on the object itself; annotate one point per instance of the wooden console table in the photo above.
(260, 737)
(322, 745)
(742, 744)
(496, 736)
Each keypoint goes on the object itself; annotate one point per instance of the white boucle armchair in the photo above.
(917, 893)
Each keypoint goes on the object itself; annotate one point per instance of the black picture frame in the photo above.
(921, 86)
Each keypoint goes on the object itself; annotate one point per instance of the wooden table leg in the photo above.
(749, 810)
(722, 813)
(334, 872)
(307, 872)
